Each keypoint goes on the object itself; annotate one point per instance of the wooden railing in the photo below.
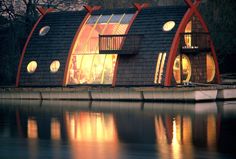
(195, 42)
(119, 44)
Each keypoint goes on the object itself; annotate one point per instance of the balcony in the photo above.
(195, 42)
(119, 44)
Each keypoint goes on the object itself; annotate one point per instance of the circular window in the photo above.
(44, 30)
(211, 68)
(31, 67)
(168, 26)
(186, 69)
(55, 65)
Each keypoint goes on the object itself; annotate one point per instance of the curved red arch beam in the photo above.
(175, 43)
(138, 7)
(25, 47)
(71, 48)
(89, 10)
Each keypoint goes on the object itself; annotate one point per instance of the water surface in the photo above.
(116, 130)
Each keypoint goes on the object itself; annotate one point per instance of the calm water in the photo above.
(107, 130)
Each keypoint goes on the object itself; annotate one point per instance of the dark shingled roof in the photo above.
(139, 69)
(132, 70)
(54, 46)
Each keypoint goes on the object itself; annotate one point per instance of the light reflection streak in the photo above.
(91, 127)
(92, 135)
(32, 128)
(211, 132)
(174, 136)
(55, 129)
(175, 144)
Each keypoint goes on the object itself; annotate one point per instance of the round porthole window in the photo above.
(31, 67)
(168, 26)
(44, 30)
(54, 67)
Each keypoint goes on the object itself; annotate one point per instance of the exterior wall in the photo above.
(140, 69)
(198, 64)
(55, 45)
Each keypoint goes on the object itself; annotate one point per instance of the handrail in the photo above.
(119, 44)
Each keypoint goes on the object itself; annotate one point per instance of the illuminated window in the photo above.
(186, 69)
(168, 26)
(55, 65)
(211, 69)
(159, 67)
(188, 37)
(86, 65)
(44, 30)
(32, 66)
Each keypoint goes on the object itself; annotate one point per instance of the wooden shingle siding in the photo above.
(139, 69)
(55, 45)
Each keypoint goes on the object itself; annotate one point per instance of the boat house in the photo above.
(139, 46)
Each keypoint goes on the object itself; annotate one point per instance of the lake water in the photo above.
(116, 130)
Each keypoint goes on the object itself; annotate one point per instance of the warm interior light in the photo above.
(188, 37)
(168, 26)
(32, 66)
(44, 30)
(55, 65)
(86, 65)
(186, 69)
(159, 67)
(211, 68)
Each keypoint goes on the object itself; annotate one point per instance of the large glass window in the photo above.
(86, 65)
(186, 69)
(211, 68)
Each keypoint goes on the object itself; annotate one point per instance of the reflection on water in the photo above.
(32, 130)
(91, 127)
(85, 129)
(55, 129)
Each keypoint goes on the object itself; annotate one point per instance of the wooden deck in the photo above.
(180, 94)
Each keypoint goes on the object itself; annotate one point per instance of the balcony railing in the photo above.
(119, 44)
(195, 42)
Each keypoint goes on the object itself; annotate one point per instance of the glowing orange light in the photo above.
(211, 131)
(91, 127)
(55, 65)
(186, 69)
(188, 38)
(32, 130)
(211, 68)
(168, 26)
(177, 131)
(32, 66)
(86, 65)
(55, 129)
